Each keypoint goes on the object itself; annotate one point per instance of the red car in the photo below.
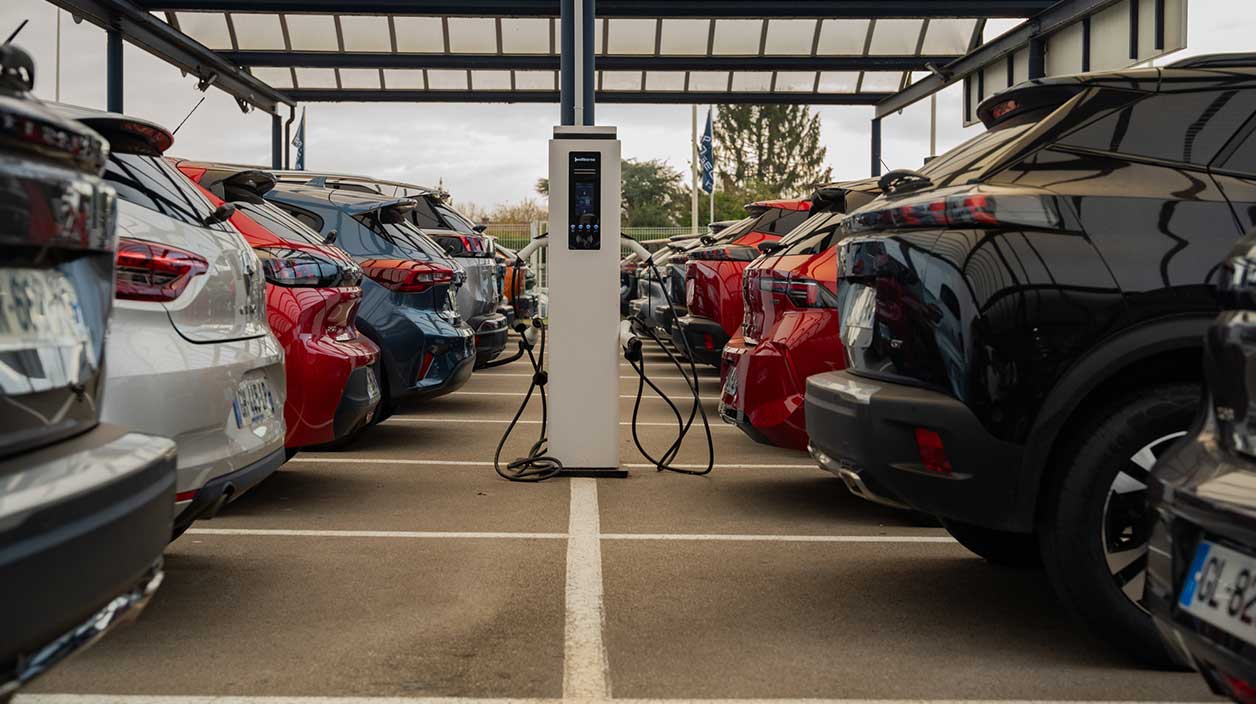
(790, 328)
(713, 279)
(312, 297)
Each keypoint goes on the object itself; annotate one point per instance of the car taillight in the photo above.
(408, 276)
(736, 253)
(986, 207)
(932, 453)
(150, 271)
(799, 291)
(284, 266)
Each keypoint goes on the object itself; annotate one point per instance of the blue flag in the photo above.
(298, 141)
(706, 155)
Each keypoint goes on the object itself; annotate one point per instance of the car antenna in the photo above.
(189, 115)
(17, 31)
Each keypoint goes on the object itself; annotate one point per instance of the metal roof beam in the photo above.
(548, 62)
(335, 95)
(173, 47)
(1058, 16)
(629, 8)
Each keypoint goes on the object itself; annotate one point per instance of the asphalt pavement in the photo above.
(402, 566)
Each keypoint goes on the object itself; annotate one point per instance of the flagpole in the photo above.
(693, 171)
(711, 121)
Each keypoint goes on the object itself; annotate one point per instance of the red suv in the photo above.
(312, 297)
(713, 279)
(790, 328)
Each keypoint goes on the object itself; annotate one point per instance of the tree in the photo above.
(526, 210)
(769, 148)
(653, 194)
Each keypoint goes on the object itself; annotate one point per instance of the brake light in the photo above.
(149, 271)
(185, 496)
(1241, 690)
(967, 209)
(786, 287)
(406, 276)
(425, 366)
(932, 453)
(729, 253)
(1004, 108)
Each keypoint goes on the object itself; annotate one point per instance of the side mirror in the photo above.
(221, 214)
(769, 247)
(480, 228)
(331, 237)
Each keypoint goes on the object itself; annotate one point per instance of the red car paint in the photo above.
(789, 332)
(713, 276)
(315, 327)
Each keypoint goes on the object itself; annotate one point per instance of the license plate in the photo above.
(253, 403)
(372, 385)
(43, 327)
(730, 384)
(1221, 589)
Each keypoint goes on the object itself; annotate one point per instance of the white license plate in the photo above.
(1220, 588)
(372, 384)
(253, 403)
(730, 384)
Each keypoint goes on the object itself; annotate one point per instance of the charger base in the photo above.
(594, 472)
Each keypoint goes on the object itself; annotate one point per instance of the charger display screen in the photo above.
(584, 215)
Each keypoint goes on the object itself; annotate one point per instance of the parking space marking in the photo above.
(585, 674)
(633, 377)
(734, 538)
(483, 463)
(192, 699)
(505, 421)
(412, 534)
(521, 394)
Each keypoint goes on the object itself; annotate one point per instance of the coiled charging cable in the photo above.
(536, 465)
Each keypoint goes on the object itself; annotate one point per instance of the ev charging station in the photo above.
(584, 167)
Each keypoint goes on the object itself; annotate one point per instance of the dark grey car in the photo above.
(86, 507)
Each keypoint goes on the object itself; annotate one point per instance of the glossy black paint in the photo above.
(1206, 485)
(1154, 179)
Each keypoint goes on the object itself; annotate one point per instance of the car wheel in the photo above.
(1094, 524)
(998, 547)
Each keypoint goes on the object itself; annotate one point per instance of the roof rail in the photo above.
(1233, 60)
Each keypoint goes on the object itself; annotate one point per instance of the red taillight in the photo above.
(932, 453)
(1241, 690)
(425, 366)
(708, 342)
(984, 209)
(1004, 108)
(185, 496)
(785, 286)
(406, 276)
(149, 271)
(736, 253)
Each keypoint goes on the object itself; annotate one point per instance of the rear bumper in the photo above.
(771, 410)
(222, 490)
(491, 332)
(357, 403)
(83, 522)
(705, 337)
(326, 388)
(1181, 517)
(867, 427)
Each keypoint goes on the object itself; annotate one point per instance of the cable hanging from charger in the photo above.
(536, 465)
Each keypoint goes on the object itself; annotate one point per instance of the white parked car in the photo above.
(191, 356)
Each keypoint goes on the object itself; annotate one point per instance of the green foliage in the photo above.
(773, 148)
(652, 194)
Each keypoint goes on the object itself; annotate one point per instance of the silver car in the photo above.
(191, 356)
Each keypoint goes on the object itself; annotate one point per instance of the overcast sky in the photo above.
(485, 154)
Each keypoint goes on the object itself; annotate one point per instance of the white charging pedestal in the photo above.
(583, 255)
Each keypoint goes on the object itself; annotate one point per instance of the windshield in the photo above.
(279, 222)
(454, 219)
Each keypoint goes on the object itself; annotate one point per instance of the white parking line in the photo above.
(521, 394)
(734, 538)
(192, 699)
(632, 377)
(505, 421)
(585, 671)
(413, 534)
(482, 463)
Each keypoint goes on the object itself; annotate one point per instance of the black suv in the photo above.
(1023, 321)
(1201, 575)
(86, 508)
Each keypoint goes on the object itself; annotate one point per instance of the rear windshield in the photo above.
(779, 221)
(814, 236)
(454, 220)
(150, 182)
(972, 157)
(399, 240)
(280, 223)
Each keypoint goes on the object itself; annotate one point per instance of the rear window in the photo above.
(399, 240)
(280, 223)
(150, 182)
(454, 220)
(303, 216)
(1189, 128)
(1243, 159)
(778, 221)
(972, 157)
(817, 234)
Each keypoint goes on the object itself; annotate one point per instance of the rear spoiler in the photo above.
(835, 197)
(392, 210)
(1023, 97)
(130, 133)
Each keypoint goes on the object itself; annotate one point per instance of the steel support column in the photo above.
(113, 69)
(567, 62)
(1037, 58)
(588, 74)
(876, 146)
(276, 142)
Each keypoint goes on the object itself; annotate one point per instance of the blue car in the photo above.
(408, 305)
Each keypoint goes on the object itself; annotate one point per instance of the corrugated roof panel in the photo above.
(838, 81)
(419, 35)
(316, 78)
(630, 36)
(208, 28)
(708, 81)
(258, 32)
(359, 78)
(472, 35)
(752, 81)
(790, 37)
(896, 36)
(842, 37)
(403, 79)
(365, 33)
(525, 35)
(312, 32)
(445, 79)
(665, 80)
(737, 37)
(685, 37)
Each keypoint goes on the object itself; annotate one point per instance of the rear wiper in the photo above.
(903, 181)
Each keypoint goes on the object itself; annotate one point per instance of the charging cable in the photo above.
(536, 465)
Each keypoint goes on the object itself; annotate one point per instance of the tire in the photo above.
(998, 547)
(1094, 525)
